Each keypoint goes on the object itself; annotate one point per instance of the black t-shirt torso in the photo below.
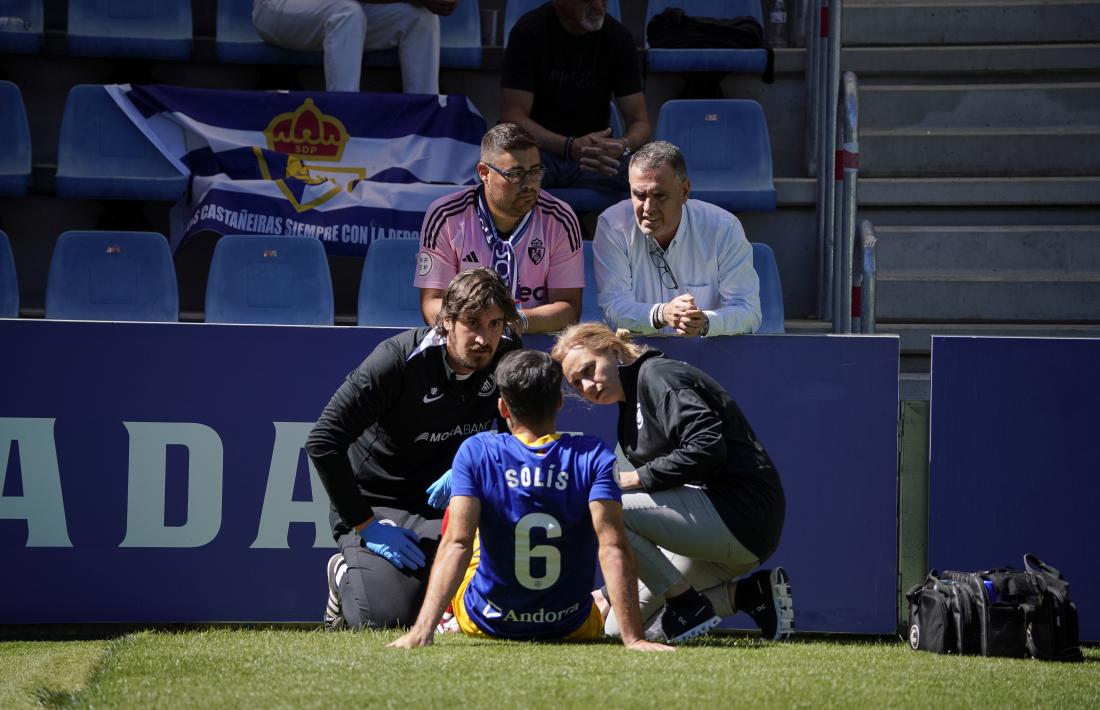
(572, 77)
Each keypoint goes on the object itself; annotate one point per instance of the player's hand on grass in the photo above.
(643, 645)
(439, 493)
(397, 545)
(413, 639)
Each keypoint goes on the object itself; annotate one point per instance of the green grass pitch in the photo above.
(262, 668)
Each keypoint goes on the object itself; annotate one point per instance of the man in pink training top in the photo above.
(507, 223)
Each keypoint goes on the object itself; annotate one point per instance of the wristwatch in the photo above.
(706, 326)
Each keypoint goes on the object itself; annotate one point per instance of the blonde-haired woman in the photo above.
(705, 504)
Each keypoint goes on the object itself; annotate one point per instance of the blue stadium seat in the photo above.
(23, 26)
(460, 37)
(112, 276)
(269, 279)
(130, 28)
(584, 200)
(15, 136)
(9, 284)
(771, 289)
(238, 41)
(101, 154)
(590, 305)
(750, 61)
(728, 152)
(387, 297)
(515, 9)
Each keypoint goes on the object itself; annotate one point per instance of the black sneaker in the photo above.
(334, 614)
(773, 610)
(683, 622)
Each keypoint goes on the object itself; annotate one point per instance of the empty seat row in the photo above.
(129, 276)
(103, 155)
(162, 30)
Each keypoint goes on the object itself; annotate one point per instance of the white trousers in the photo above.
(343, 29)
(677, 533)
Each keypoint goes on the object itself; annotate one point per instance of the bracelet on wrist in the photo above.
(568, 149)
(659, 316)
(522, 321)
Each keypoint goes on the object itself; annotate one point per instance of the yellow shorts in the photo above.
(590, 630)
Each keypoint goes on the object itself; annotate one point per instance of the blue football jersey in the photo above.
(538, 547)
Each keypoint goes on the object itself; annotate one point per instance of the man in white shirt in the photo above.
(667, 263)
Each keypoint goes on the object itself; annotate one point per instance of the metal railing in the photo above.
(832, 141)
(870, 274)
(844, 210)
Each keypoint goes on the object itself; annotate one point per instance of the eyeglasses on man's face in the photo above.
(668, 280)
(517, 176)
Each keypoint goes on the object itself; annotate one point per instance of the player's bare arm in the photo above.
(617, 564)
(455, 550)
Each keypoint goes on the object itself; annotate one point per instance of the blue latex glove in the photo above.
(439, 493)
(396, 545)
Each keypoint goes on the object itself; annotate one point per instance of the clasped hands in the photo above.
(684, 316)
(599, 152)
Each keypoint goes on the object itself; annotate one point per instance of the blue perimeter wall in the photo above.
(1014, 465)
(154, 472)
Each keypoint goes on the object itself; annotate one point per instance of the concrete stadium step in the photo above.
(962, 152)
(1074, 104)
(889, 22)
(979, 295)
(976, 62)
(994, 249)
(946, 192)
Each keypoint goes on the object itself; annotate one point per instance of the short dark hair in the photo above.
(657, 153)
(530, 383)
(506, 138)
(473, 291)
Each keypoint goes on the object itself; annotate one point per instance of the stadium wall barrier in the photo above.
(154, 473)
(1013, 465)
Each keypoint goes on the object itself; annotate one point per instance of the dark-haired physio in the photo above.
(389, 431)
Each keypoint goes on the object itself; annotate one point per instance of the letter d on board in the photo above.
(146, 485)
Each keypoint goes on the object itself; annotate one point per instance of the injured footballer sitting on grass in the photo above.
(530, 512)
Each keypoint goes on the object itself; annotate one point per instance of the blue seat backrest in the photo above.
(771, 289)
(238, 41)
(590, 304)
(25, 27)
(724, 9)
(515, 9)
(112, 276)
(101, 154)
(270, 280)
(722, 135)
(130, 28)
(460, 36)
(727, 148)
(387, 296)
(9, 283)
(15, 136)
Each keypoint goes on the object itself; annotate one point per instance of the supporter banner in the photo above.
(345, 168)
(155, 472)
(1013, 466)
